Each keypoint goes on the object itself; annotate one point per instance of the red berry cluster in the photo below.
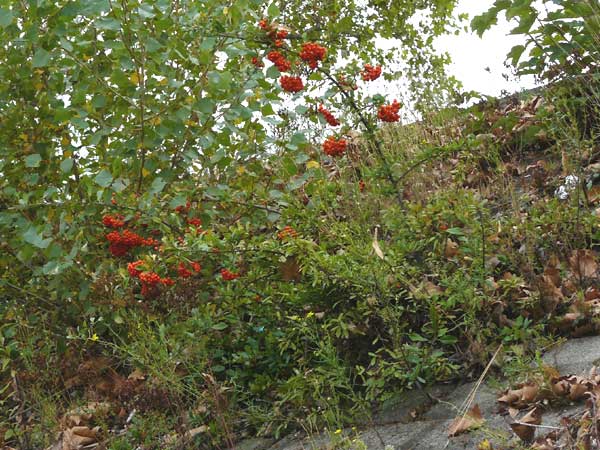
(287, 232)
(149, 280)
(121, 243)
(334, 147)
(257, 62)
(361, 186)
(228, 275)
(133, 270)
(371, 73)
(184, 272)
(279, 60)
(331, 120)
(291, 84)
(312, 53)
(273, 32)
(181, 209)
(389, 113)
(114, 222)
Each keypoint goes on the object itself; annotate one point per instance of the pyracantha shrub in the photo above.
(334, 147)
(228, 275)
(291, 84)
(279, 60)
(182, 271)
(150, 282)
(331, 120)
(286, 232)
(389, 113)
(312, 53)
(257, 62)
(121, 243)
(371, 73)
(114, 222)
(133, 270)
(195, 222)
(184, 209)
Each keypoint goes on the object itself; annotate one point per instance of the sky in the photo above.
(471, 55)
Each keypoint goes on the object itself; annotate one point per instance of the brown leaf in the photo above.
(451, 249)
(583, 263)
(523, 428)
(137, 375)
(521, 397)
(76, 437)
(473, 419)
(290, 270)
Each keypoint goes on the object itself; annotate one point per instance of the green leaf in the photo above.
(6, 17)
(515, 54)
(41, 58)
(273, 11)
(157, 185)
(33, 160)
(205, 105)
(103, 179)
(34, 238)
(66, 165)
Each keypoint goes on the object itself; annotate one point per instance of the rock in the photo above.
(575, 356)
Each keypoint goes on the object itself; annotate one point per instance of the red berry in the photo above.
(333, 147)
(279, 60)
(291, 84)
(229, 276)
(257, 62)
(132, 268)
(331, 120)
(312, 53)
(111, 221)
(371, 73)
(389, 113)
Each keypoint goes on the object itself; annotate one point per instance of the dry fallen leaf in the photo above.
(583, 263)
(524, 428)
(451, 249)
(290, 270)
(376, 246)
(76, 437)
(521, 397)
(473, 419)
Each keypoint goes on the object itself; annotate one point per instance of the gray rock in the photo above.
(575, 356)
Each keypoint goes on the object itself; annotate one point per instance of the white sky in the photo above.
(472, 55)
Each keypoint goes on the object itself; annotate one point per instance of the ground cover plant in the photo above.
(212, 229)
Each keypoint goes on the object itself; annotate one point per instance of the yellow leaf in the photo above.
(135, 78)
(240, 170)
(163, 82)
(145, 172)
(86, 58)
(38, 86)
(65, 141)
(376, 246)
(312, 165)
